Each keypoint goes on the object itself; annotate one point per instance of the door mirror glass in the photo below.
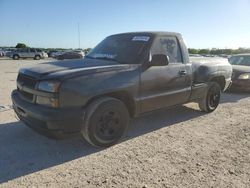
(159, 60)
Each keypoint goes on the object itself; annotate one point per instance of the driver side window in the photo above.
(169, 46)
(32, 50)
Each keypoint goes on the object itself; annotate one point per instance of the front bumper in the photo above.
(240, 85)
(49, 121)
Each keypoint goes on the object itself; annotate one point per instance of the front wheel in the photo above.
(106, 120)
(212, 98)
(15, 57)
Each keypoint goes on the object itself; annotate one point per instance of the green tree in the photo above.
(21, 45)
(214, 51)
(228, 51)
(217, 51)
(193, 51)
(204, 51)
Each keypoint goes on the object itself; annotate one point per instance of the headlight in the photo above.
(46, 101)
(245, 76)
(49, 86)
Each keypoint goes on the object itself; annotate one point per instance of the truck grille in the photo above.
(29, 82)
(26, 95)
(26, 81)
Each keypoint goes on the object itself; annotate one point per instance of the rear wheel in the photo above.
(212, 98)
(106, 121)
(15, 57)
(37, 57)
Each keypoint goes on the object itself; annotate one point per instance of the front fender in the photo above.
(78, 91)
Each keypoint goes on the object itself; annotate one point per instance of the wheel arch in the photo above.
(220, 80)
(123, 96)
(15, 55)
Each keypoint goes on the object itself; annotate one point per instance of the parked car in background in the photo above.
(79, 52)
(195, 55)
(45, 54)
(70, 55)
(1, 53)
(224, 55)
(8, 51)
(51, 52)
(27, 53)
(241, 72)
(55, 53)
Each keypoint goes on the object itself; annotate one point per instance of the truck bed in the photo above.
(205, 68)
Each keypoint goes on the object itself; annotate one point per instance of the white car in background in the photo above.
(80, 52)
(55, 54)
(2, 53)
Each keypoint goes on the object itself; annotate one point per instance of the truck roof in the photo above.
(158, 33)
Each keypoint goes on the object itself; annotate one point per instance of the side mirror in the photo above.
(159, 60)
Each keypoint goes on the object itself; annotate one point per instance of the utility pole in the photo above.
(79, 39)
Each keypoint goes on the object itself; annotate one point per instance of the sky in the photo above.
(54, 23)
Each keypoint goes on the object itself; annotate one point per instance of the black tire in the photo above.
(212, 98)
(37, 57)
(106, 120)
(15, 57)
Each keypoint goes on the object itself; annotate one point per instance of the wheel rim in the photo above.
(108, 126)
(213, 98)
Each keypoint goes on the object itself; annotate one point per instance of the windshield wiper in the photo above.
(105, 58)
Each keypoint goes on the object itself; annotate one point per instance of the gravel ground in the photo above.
(178, 147)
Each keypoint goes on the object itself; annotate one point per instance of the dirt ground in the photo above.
(178, 147)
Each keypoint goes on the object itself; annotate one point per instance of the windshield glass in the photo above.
(240, 60)
(124, 48)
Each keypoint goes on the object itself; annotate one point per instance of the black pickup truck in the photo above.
(122, 77)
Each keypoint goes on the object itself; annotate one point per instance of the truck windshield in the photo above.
(124, 48)
(240, 60)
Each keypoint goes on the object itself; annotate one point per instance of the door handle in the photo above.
(183, 72)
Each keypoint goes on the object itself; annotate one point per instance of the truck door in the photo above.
(163, 86)
(32, 53)
(23, 52)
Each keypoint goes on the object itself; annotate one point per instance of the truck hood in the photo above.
(241, 68)
(71, 68)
